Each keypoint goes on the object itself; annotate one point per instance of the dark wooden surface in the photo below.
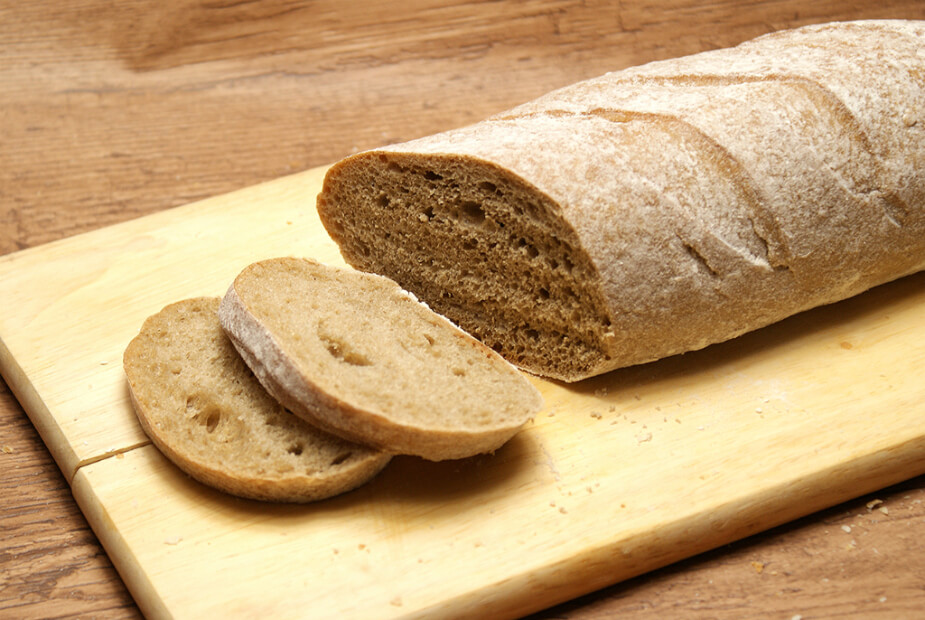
(112, 110)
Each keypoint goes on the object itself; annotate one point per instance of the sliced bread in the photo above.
(355, 354)
(205, 410)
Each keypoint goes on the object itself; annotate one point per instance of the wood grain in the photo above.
(617, 475)
(111, 111)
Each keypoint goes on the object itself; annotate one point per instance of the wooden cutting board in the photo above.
(618, 475)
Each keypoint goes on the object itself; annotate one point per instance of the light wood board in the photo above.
(618, 475)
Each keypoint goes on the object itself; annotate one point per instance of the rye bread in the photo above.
(204, 409)
(658, 209)
(356, 355)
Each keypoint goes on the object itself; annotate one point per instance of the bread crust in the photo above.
(712, 194)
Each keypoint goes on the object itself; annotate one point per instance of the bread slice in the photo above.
(658, 209)
(355, 354)
(205, 410)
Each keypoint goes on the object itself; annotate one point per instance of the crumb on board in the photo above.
(643, 437)
(173, 540)
(758, 566)
(396, 601)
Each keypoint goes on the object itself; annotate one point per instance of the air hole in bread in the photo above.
(383, 200)
(472, 212)
(209, 418)
(430, 175)
(459, 372)
(340, 458)
(430, 339)
(295, 449)
(343, 351)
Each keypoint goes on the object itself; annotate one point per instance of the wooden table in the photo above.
(109, 111)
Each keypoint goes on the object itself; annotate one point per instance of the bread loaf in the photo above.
(658, 209)
(206, 412)
(354, 354)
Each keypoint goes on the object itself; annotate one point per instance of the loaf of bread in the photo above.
(204, 409)
(659, 209)
(356, 355)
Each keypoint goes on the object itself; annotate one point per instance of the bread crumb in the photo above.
(562, 509)
(882, 599)
(173, 540)
(884, 510)
(596, 415)
(873, 504)
(758, 566)
(396, 602)
(846, 528)
(7, 449)
(643, 437)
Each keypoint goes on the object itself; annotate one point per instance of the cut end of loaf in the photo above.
(480, 246)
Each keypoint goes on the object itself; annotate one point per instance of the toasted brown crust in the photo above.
(203, 409)
(692, 200)
(393, 374)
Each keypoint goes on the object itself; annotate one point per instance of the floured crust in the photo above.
(200, 405)
(701, 197)
(393, 375)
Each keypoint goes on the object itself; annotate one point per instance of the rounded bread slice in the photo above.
(355, 354)
(204, 409)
